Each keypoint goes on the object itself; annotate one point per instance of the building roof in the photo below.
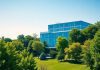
(69, 22)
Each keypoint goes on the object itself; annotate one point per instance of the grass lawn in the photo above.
(53, 64)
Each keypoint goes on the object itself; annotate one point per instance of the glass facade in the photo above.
(60, 29)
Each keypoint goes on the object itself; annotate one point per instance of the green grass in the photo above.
(53, 64)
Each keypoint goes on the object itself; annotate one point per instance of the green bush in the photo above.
(42, 56)
(60, 56)
(53, 53)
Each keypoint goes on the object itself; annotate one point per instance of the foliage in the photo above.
(29, 48)
(90, 31)
(97, 24)
(76, 36)
(96, 50)
(75, 51)
(92, 52)
(14, 57)
(20, 37)
(53, 53)
(62, 43)
(42, 56)
(37, 47)
(8, 57)
(26, 61)
(87, 54)
(25, 39)
(7, 40)
(60, 56)
(45, 46)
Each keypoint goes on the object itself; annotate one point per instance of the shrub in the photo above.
(74, 51)
(42, 56)
(53, 53)
(60, 56)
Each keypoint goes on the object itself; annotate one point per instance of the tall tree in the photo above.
(61, 44)
(7, 40)
(75, 51)
(37, 47)
(90, 31)
(76, 36)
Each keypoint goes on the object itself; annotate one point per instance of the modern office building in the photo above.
(60, 29)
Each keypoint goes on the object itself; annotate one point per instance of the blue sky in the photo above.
(33, 16)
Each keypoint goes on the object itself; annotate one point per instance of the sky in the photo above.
(33, 16)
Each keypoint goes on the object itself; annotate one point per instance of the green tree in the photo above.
(88, 58)
(26, 61)
(27, 39)
(37, 47)
(12, 59)
(61, 44)
(7, 40)
(76, 36)
(75, 51)
(8, 57)
(42, 56)
(21, 37)
(18, 45)
(60, 56)
(97, 24)
(53, 53)
(92, 52)
(45, 47)
(96, 50)
(89, 32)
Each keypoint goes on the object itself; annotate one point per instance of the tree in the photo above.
(29, 48)
(45, 44)
(76, 36)
(7, 40)
(27, 39)
(62, 43)
(42, 56)
(53, 53)
(26, 61)
(45, 47)
(8, 57)
(97, 24)
(92, 52)
(21, 38)
(60, 56)
(18, 45)
(75, 51)
(12, 59)
(37, 47)
(88, 59)
(96, 50)
(89, 32)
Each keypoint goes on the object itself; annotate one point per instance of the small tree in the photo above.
(7, 40)
(26, 61)
(87, 54)
(75, 51)
(37, 47)
(42, 56)
(60, 56)
(53, 53)
(96, 50)
(76, 36)
(62, 43)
